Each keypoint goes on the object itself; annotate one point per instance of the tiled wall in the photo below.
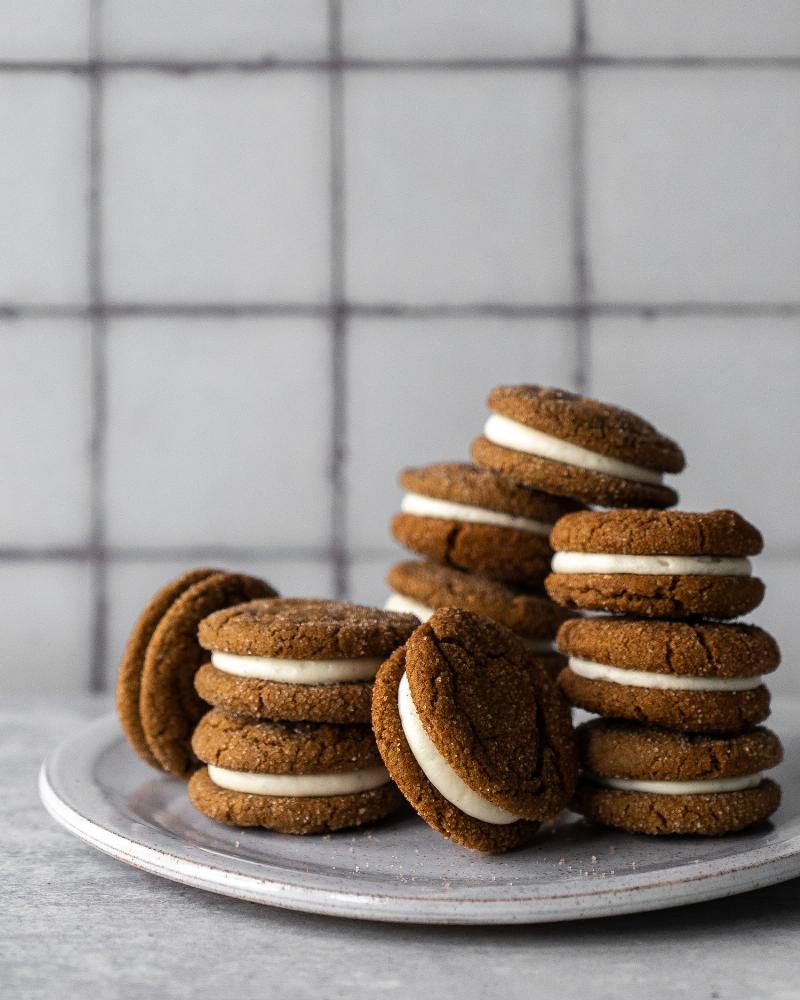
(255, 255)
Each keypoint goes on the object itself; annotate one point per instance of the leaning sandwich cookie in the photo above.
(476, 520)
(474, 732)
(698, 676)
(660, 564)
(296, 659)
(653, 781)
(577, 447)
(290, 777)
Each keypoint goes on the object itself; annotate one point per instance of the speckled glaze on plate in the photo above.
(400, 870)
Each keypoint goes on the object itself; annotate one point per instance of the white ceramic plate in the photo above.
(401, 870)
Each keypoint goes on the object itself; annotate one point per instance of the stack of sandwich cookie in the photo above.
(419, 587)
(156, 702)
(290, 777)
(473, 731)
(576, 447)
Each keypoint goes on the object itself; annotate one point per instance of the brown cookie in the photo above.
(168, 704)
(129, 677)
(488, 723)
(296, 635)
(238, 750)
(604, 430)
(616, 755)
(661, 564)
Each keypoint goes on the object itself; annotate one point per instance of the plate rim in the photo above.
(161, 855)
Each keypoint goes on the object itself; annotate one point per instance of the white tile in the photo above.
(416, 394)
(215, 29)
(44, 432)
(726, 389)
(368, 577)
(693, 184)
(44, 30)
(218, 432)
(457, 187)
(455, 29)
(43, 187)
(216, 187)
(694, 28)
(44, 617)
(778, 614)
(132, 584)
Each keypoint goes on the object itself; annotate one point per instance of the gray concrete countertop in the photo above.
(75, 923)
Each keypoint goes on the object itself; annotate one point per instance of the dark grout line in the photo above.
(578, 178)
(146, 553)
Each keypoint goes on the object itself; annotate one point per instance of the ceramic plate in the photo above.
(400, 870)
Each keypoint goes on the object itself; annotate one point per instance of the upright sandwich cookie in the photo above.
(297, 659)
(474, 732)
(156, 702)
(474, 519)
(661, 564)
(690, 676)
(648, 780)
(421, 587)
(290, 777)
(577, 447)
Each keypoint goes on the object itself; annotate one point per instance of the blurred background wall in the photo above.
(256, 255)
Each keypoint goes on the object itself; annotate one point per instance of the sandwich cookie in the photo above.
(648, 780)
(690, 676)
(660, 564)
(296, 659)
(577, 447)
(474, 519)
(421, 587)
(156, 702)
(474, 732)
(297, 777)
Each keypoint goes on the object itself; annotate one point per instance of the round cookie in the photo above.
(284, 757)
(474, 519)
(169, 707)
(297, 659)
(689, 676)
(474, 732)
(421, 586)
(577, 447)
(660, 564)
(648, 780)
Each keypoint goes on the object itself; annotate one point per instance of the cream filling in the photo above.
(701, 787)
(510, 434)
(299, 785)
(662, 682)
(399, 602)
(609, 562)
(436, 769)
(271, 668)
(422, 506)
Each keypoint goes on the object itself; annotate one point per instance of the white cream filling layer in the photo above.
(662, 682)
(436, 769)
(422, 506)
(399, 602)
(609, 562)
(701, 787)
(510, 434)
(299, 785)
(270, 668)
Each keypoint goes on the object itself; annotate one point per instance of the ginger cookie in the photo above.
(698, 676)
(169, 707)
(648, 780)
(474, 519)
(658, 564)
(296, 659)
(419, 587)
(293, 777)
(474, 732)
(577, 447)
